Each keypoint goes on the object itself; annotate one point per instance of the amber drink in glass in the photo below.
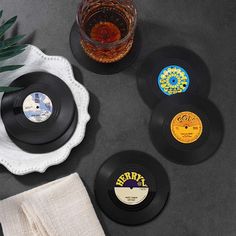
(107, 28)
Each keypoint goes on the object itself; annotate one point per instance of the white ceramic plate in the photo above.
(13, 158)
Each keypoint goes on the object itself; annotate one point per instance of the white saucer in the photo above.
(13, 158)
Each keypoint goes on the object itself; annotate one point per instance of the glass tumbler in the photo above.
(106, 28)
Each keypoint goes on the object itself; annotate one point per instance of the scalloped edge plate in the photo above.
(12, 157)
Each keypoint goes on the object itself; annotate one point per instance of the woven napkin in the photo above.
(59, 208)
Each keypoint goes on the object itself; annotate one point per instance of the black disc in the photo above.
(172, 70)
(51, 146)
(39, 113)
(131, 187)
(186, 129)
(102, 68)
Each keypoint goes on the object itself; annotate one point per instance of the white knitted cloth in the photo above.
(59, 208)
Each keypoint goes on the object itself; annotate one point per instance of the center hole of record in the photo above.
(37, 107)
(186, 127)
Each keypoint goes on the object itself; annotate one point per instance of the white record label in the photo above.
(37, 107)
(132, 196)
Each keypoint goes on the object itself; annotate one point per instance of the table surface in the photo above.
(202, 200)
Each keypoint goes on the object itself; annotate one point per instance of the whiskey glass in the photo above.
(107, 28)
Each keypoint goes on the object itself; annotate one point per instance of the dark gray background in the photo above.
(202, 200)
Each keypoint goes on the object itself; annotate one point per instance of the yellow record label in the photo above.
(186, 127)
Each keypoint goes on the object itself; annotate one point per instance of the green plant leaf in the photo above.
(11, 41)
(7, 25)
(10, 68)
(11, 52)
(10, 55)
(12, 49)
(9, 89)
(9, 49)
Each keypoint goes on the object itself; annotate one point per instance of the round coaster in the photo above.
(172, 70)
(39, 113)
(38, 118)
(132, 187)
(51, 146)
(186, 129)
(102, 68)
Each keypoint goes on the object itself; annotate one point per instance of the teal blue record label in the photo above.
(37, 107)
(173, 79)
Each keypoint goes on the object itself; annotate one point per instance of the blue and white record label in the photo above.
(173, 79)
(37, 107)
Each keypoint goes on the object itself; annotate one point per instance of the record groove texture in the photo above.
(132, 188)
(186, 129)
(23, 112)
(172, 70)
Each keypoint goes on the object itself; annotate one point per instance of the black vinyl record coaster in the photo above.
(171, 70)
(132, 187)
(51, 146)
(186, 129)
(102, 68)
(40, 113)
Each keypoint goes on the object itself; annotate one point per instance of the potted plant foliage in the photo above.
(9, 47)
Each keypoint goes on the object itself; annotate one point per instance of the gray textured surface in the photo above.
(202, 201)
